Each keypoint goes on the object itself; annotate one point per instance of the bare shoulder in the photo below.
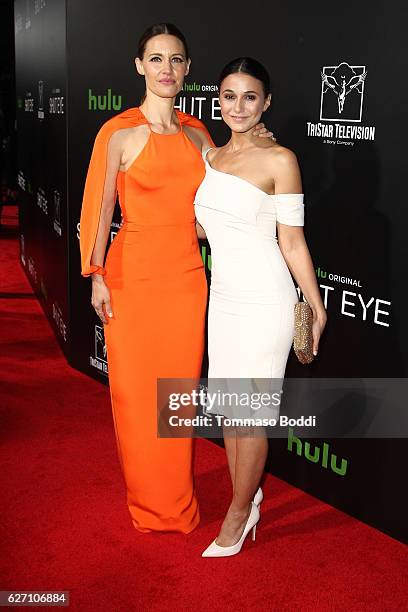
(282, 163)
(131, 135)
(271, 151)
(284, 169)
(282, 156)
(122, 134)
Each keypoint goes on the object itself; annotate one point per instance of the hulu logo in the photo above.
(321, 273)
(206, 258)
(191, 87)
(105, 102)
(315, 456)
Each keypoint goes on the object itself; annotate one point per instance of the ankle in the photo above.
(237, 510)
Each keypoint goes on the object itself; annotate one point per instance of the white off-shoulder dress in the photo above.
(252, 294)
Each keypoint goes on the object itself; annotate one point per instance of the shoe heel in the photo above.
(253, 533)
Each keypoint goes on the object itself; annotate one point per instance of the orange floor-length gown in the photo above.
(158, 288)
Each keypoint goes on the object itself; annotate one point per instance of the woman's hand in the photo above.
(263, 132)
(319, 323)
(101, 298)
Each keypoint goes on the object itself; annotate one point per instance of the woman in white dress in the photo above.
(252, 188)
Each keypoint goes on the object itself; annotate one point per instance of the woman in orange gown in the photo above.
(152, 293)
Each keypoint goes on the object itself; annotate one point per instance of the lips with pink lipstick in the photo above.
(167, 81)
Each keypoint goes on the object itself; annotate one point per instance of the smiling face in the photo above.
(164, 65)
(242, 101)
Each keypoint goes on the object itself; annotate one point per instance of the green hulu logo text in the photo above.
(104, 102)
(321, 273)
(206, 257)
(318, 455)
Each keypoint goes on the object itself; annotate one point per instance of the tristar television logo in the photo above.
(100, 360)
(342, 92)
(341, 103)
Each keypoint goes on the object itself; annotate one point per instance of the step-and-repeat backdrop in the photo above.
(339, 100)
(40, 36)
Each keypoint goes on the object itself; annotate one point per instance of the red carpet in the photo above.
(65, 524)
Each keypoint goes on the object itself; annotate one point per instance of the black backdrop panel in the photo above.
(41, 121)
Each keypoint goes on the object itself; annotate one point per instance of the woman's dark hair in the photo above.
(155, 30)
(250, 66)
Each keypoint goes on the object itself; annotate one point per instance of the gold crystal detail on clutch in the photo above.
(303, 339)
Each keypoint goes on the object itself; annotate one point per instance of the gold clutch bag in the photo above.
(303, 339)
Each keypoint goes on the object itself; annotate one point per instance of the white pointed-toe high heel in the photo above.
(258, 497)
(214, 550)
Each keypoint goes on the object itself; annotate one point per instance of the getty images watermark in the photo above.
(314, 407)
(226, 402)
(206, 407)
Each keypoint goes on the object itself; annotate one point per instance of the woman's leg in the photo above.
(251, 447)
(230, 444)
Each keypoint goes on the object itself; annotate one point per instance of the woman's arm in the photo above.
(293, 245)
(108, 202)
(100, 292)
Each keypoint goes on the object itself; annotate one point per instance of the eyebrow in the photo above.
(161, 54)
(247, 92)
